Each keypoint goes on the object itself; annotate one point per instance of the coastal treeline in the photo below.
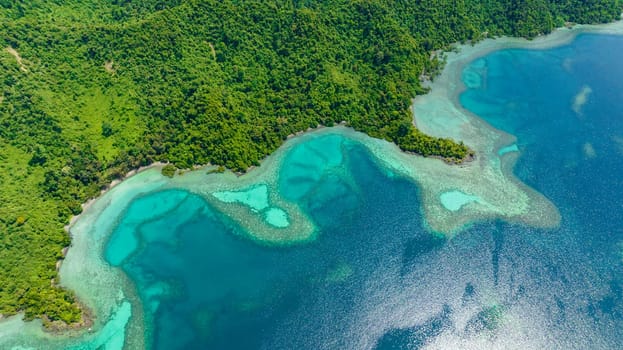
(92, 89)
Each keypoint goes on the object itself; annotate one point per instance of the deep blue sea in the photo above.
(375, 278)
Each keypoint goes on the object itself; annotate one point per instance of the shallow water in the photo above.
(375, 277)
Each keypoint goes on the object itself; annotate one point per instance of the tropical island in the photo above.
(92, 90)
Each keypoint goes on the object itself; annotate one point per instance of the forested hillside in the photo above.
(91, 89)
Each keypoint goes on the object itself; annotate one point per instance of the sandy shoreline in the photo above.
(86, 205)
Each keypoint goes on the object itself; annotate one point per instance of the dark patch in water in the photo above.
(417, 336)
(469, 294)
(417, 248)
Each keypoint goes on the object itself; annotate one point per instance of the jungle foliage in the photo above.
(94, 88)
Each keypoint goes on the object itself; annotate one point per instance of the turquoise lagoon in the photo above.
(339, 241)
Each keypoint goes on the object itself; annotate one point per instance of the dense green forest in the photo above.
(91, 89)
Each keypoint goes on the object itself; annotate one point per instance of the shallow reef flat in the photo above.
(264, 201)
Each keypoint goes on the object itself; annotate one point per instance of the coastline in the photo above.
(106, 291)
(88, 315)
(86, 205)
(93, 209)
(439, 113)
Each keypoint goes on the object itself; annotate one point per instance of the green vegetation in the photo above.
(488, 319)
(92, 89)
(169, 170)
